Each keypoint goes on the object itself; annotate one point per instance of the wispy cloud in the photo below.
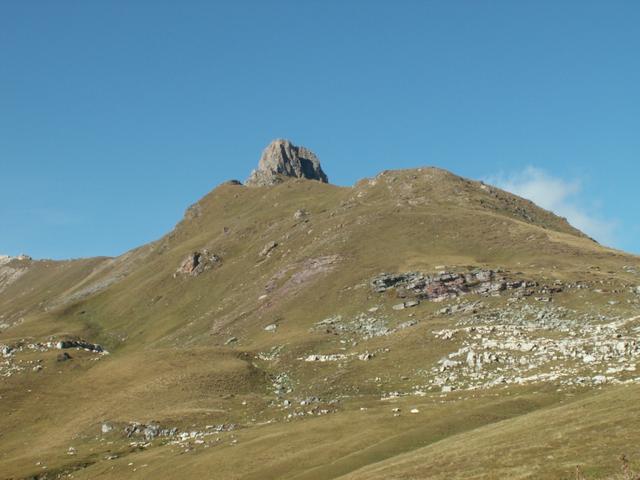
(56, 217)
(562, 197)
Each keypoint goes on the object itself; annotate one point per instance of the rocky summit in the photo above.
(417, 325)
(281, 159)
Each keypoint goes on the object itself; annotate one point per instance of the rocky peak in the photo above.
(283, 159)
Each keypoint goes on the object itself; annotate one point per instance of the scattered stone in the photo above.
(509, 345)
(445, 334)
(414, 410)
(407, 304)
(599, 379)
(461, 308)
(63, 357)
(362, 326)
(407, 324)
(231, 340)
(272, 354)
(153, 430)
(268, 248)
(282, 384)
(271, 328)
(447, 364)
(300, 214)
(325, 358)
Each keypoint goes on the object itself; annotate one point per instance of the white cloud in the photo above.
(560, 196)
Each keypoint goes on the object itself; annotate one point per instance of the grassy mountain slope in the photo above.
(189, 350)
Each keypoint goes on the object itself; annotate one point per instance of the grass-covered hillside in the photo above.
(259, 339)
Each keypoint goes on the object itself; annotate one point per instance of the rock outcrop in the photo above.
(197, 262)
(282, 159)
(92, 347)
(8, 258)
(443, 285)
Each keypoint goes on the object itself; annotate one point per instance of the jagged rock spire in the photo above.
(283, 159)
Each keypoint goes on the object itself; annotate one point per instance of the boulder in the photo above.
(63, 357)
(268, 248)
(151, 431)
(300, 214)
(197, 262)
(106, 427)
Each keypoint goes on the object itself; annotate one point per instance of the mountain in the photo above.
(415, 325)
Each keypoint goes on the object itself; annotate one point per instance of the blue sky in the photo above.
(115, 116)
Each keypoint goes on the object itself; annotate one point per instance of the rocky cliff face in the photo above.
(282, 159)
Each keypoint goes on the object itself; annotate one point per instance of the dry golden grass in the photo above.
(169, 362)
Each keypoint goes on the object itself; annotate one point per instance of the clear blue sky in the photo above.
(115, 116)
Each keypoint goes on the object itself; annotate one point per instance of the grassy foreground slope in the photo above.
(535, 435)
(276, 359)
